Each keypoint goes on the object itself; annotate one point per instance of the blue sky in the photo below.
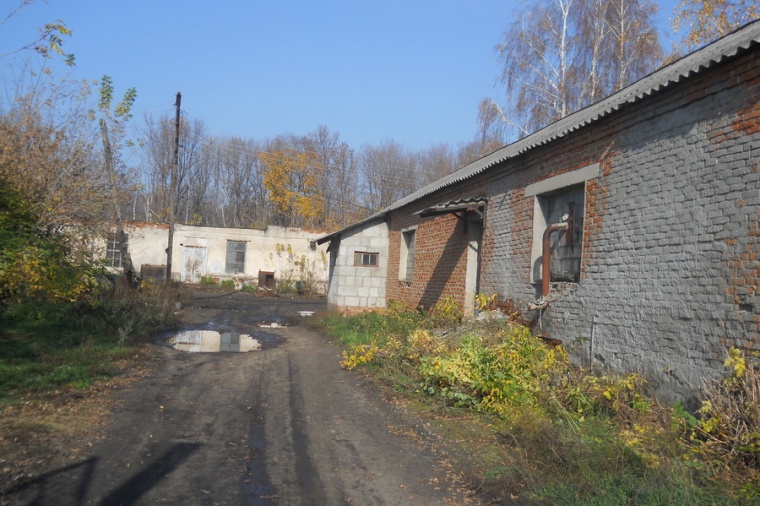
(413, 71)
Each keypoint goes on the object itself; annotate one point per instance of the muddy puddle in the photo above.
(212, 341)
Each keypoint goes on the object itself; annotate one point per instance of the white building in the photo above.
(246, 256)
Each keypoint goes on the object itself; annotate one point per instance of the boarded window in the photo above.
(113, 250)
(406, 259)
(235, 257)
(365, 259)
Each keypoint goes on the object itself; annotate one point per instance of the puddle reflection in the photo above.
(209, 341)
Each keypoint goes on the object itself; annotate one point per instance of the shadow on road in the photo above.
(71, 484)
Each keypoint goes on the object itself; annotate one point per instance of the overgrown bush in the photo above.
(37, 266)
(133, 313)
(726, 428)
(493, 378)
(445, 313)
(569, 435)
(48, 345)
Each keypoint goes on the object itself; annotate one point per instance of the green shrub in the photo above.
(445, 313)
(285, 288)
(209, 281)
(569, 436)
(493, 378)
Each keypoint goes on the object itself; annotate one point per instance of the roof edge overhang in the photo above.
(741, 40)
(330, 237)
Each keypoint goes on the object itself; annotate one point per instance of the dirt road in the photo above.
(280, 426)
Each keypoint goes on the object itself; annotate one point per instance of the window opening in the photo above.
(235, 257)
(406, 267)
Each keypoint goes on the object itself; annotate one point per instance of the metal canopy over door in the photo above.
(193, 264)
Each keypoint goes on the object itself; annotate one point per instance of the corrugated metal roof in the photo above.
(692, 64)
(463, 204)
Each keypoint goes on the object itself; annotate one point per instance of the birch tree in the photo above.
(562, 55)
(708, 20)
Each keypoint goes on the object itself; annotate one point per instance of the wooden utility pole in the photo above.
(173, 189)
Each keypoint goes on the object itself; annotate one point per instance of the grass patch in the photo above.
(529, 426)
(38, 363)
(52, 345)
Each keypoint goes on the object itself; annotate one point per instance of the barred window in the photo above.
(235, 257)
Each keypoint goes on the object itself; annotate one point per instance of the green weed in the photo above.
(209, 281)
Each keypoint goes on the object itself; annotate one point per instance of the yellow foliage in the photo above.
(293, 184)
(707, 20)
(421, 343)
(485, 302)
(358, 355)
(32, 273)
(736, 361)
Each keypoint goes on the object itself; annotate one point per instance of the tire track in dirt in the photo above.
(280, 426)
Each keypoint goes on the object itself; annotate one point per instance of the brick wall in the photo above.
(671, 241)
(440, 263)
(671, 245)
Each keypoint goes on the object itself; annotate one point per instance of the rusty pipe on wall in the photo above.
(547, 251)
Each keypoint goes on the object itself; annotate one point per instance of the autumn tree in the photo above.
(49, 40)
(312, 180)
(292, 181)
(49, 152)
(562, 55)
(53, 191)
(239, 177)
(435, 162)
(708, 20)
